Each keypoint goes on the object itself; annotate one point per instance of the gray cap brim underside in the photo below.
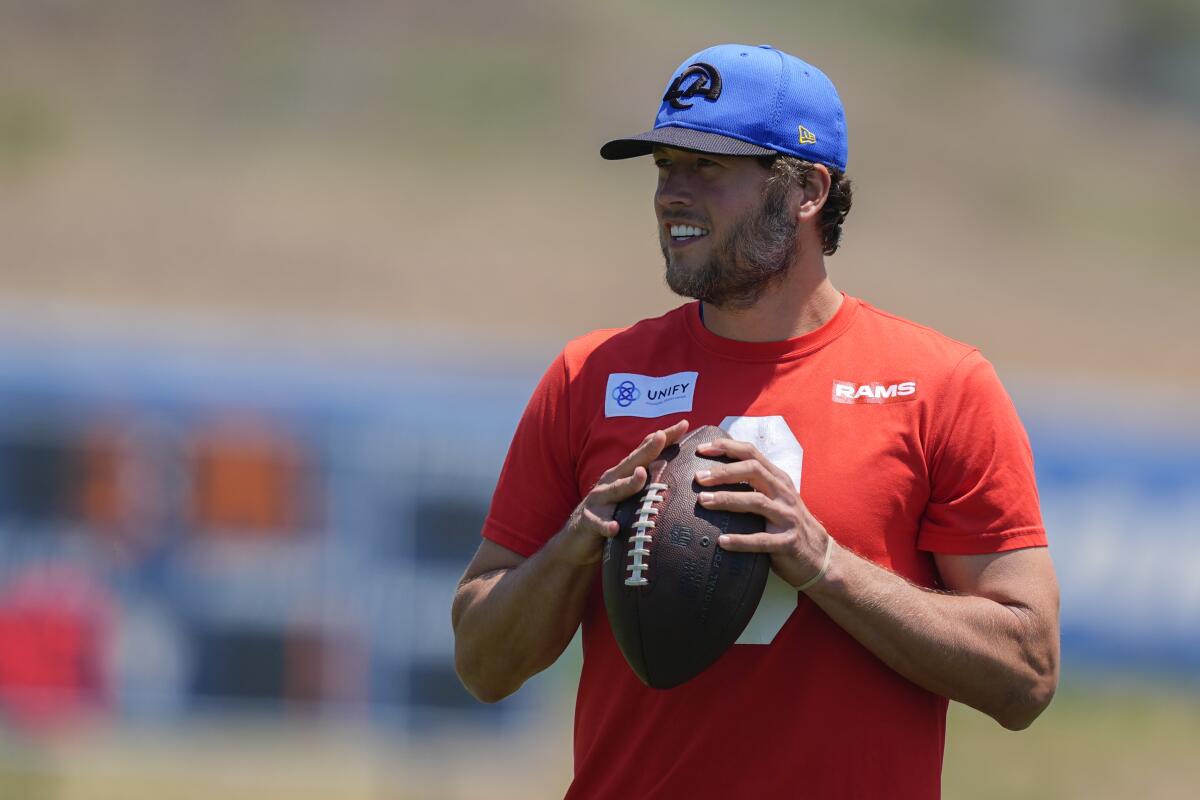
(683, 138)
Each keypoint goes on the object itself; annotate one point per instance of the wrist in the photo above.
(575, 546)
(823, 565)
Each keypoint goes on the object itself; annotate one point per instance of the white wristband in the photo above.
(811, 582)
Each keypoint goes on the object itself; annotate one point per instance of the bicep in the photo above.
(1021, 578)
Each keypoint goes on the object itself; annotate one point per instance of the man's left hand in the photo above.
(794, 538)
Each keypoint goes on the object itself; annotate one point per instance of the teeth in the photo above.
(685, 231)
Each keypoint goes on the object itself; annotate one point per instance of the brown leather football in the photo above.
(675, 600)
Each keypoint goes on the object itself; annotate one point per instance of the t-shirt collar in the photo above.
(771, 351)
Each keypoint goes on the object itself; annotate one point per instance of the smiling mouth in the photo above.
(686, 233)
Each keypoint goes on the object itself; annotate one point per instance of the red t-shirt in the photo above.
(903, 443)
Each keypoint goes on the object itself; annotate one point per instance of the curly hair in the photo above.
(788, 171)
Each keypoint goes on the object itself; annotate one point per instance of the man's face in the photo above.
(726, 234)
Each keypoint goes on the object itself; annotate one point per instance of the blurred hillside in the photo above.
(433, 166)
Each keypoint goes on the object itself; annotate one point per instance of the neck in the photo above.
(804, 301)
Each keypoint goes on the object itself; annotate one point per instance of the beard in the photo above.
(743, 265)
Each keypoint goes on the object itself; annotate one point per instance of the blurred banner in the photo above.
(187, 528)
(1120, 486)
(184, 529)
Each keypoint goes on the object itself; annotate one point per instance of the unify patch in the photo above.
(631, 395)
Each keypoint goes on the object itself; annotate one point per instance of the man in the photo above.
(895, 477)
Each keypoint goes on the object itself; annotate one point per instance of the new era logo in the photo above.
(807, 136)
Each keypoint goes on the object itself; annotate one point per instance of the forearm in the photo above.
(995, 655)
(513, 617)
(510, 624)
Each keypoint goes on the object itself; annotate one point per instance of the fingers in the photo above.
(607, 528)
(742, 451)
(618, 489)
(785, 550)
(753, 472)
(594, 515)
(747, 503)
(752, 542)
(650, 448)
(623, 481)
(584, 535)
(675, 432)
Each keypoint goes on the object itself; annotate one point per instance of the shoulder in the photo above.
(941, 369)
(912, 340)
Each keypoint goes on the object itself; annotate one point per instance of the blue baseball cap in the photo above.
(742, 100)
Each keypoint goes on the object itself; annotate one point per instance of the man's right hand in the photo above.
(592, 521)
(513, 616)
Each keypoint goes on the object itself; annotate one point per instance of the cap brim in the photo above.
(684, 139)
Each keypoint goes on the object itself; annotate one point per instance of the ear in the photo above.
(810, 199)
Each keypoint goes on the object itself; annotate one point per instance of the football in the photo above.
(675, 600)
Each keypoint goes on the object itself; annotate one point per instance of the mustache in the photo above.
(684, 219)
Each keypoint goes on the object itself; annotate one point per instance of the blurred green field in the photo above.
(1098, 740)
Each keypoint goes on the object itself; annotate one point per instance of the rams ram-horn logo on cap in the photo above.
(706, 83)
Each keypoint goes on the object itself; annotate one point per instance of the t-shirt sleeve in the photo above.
(537, 489)
(983, 494)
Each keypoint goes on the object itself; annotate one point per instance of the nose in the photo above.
(674, 188)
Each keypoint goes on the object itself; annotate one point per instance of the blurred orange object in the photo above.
(245, 480)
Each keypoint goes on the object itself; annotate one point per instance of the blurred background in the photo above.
(276, 279)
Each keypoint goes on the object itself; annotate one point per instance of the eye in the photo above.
(662, 163)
